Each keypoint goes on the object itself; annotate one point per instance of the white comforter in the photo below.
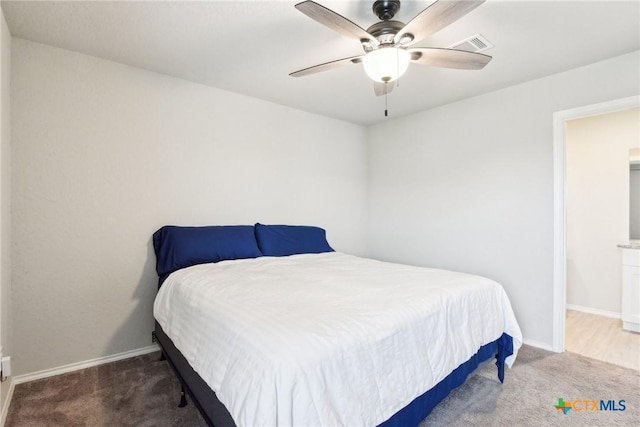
(327, 339)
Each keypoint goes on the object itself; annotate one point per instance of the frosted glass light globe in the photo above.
(386, 64)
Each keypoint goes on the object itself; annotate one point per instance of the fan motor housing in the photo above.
(385, 31)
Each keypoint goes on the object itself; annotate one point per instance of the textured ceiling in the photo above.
(250, 47)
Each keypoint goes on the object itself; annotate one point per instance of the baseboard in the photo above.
(597, 311)
(82, 365)
(7, 400)
(538, 344)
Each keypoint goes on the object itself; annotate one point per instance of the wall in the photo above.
(469, 186)
(597, 180)
(104, 154)
(6, 335)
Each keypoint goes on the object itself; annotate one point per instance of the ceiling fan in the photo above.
(387, 44)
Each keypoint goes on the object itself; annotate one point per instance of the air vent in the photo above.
(477, 43)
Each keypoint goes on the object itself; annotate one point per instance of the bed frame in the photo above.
(216, 414)
(212, 410)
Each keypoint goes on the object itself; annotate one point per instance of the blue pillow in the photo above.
(180, 247)
(284, 240)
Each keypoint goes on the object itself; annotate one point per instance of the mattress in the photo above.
(327, 339)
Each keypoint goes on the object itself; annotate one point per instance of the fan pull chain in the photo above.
(386, 94)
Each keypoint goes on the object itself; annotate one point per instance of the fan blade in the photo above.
(339, 23)
(434, 18)
(383, 88)
(449, 58)
(327, 66)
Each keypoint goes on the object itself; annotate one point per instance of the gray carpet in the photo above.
(143, 391)
(532, 388)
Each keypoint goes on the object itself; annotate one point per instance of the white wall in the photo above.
(597, 199)
(469, 186)
(104, 154)
(6, 336)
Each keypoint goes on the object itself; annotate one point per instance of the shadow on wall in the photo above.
(126, 337)
(123, 339)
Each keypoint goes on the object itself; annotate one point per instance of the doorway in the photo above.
(560, 207)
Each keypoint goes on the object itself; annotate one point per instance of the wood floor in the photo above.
(602, 338)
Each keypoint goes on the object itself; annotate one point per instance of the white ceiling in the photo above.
(250, 47)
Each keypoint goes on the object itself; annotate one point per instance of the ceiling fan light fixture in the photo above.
(386, 64)
(405, 39)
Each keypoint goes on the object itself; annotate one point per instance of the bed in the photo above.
(267, 325)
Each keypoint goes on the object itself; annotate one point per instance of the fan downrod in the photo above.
(385, 10)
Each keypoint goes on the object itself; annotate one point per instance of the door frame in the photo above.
(560, 210)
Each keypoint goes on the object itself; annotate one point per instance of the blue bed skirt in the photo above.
(416, 411)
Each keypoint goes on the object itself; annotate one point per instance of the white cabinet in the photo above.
(631, 289)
